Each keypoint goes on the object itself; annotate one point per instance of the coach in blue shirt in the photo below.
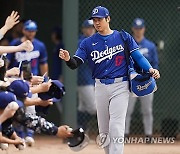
(148, 49)
(37, 57)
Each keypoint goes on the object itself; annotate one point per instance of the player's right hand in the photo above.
(27, 46)
(36, 80)
(64, 54)
(44, 102)
(63, 132)
(44, 87)
(18, 141)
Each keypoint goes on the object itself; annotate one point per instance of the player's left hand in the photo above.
(155, 73)
(15, 71)
(63, 132)
(44, 87)
(36, 80)
(12, 20)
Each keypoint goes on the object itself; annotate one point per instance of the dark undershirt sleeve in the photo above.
(74, 63)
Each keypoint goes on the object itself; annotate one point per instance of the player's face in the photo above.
(101, 24)
(88, 31)
(30, 35)
(138, 32)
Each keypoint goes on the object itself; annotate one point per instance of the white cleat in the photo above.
(29, 141)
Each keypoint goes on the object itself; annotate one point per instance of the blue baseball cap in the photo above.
(99, 12)
(30, 25)
(20, 88)
(138, 23)
(56, 92)
(88, 23)
(8, 97)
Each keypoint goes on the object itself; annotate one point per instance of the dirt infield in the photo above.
(51, 145)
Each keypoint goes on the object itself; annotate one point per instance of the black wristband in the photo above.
(74, 62)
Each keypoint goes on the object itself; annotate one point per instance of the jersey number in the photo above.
(118, 60)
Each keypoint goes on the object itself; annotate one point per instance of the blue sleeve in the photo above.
(141, 60)
(10, 57)
(155, 60)
(43, 55)
(81, 51)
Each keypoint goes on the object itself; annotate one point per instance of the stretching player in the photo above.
(148, 49)
(106, 57)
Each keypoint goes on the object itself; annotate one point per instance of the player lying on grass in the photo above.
(12, 20)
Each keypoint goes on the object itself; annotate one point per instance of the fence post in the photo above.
(70, 38)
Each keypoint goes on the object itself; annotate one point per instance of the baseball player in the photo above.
(86, 106)
(37, 57)
(105, 54)
(148, 49)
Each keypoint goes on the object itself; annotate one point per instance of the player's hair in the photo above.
(106, 18)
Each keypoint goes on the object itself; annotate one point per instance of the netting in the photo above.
(162, 26)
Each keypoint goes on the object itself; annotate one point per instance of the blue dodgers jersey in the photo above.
(106, 56)
(149, 51)
(37, 56)
(84, 72)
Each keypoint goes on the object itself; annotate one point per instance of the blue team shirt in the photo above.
(149, 51)
(84, 72)
(37, 56)
(105, 55)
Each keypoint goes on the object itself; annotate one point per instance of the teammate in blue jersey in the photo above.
(148, 49)
(8, 104)
(37, 58)
(12, 110)
(106, 57)
(86, 106)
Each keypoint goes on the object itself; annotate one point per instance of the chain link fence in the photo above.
(162, 27)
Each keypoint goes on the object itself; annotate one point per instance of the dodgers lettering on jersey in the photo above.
(105, 54)
(148, 49)
(37, 56)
